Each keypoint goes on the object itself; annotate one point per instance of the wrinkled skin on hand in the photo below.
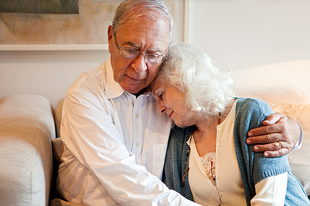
(277, 137)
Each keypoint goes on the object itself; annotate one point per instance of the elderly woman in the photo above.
(207, 159)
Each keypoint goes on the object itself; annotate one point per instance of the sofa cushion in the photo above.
(58, 148)
(279, 94)
(58, 113)
(60, 202)
(26, 130)
(295, 73)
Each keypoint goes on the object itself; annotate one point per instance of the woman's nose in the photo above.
(161, 107)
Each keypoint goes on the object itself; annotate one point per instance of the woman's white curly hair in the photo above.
(207, 88)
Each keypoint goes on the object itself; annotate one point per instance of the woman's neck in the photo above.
(206, 133)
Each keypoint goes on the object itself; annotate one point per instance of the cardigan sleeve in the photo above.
(254, 167)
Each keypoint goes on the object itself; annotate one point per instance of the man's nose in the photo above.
(139, 64)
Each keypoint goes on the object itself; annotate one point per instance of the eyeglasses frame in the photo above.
(163, 57)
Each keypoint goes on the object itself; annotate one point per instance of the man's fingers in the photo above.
(271, 145)
(274, 118)
(275, 146)
(263, 139)
(272, 150)
(274, 128)
(277, 153)
(270, 126)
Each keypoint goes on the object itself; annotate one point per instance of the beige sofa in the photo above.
(29, 124)
(27, 167)
(26, 161)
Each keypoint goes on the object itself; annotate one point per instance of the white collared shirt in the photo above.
(115, 145)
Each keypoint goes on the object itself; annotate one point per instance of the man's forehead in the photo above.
(145, 27)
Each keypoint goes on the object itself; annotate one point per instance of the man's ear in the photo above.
(110, 37)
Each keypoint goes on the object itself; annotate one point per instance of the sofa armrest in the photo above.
(26, 131)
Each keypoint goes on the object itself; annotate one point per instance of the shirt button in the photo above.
(137, 115)
(218, 129)
(218, 144)
(137, 144)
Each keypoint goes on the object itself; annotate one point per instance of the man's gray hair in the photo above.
(189, 69)
(137, 8)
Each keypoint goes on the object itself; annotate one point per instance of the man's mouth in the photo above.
(134, 79)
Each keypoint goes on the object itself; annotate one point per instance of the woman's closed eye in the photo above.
(158, 97)
(158, 91)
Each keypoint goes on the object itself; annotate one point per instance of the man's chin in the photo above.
(134, 89)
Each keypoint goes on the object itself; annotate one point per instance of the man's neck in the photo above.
(142, 92)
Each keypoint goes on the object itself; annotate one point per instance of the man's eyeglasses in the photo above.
(152, 58)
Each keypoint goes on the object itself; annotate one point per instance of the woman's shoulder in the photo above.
(250, 105)
(250, 102)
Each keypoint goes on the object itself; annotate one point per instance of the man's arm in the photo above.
(278, 136)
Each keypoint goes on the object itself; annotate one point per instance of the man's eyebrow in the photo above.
(138, 46)
(155, 51)
(132, 44)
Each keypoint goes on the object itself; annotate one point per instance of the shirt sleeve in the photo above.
(299, 142)
(270, 191)
(98, 144)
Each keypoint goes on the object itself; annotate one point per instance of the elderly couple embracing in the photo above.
(159, 125)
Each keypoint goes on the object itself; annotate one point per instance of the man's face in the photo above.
(145, 35)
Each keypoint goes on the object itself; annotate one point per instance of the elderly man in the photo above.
(115, 140)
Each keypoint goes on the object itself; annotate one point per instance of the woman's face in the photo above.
(172, 101)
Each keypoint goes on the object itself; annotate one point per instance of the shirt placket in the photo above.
(137, 123)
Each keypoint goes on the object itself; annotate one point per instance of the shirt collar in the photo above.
(113, 89)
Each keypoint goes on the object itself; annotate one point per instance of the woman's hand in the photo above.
(277, 137)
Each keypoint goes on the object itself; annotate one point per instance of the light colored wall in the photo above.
(46, 73)
(247, 33)
(240, 33)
